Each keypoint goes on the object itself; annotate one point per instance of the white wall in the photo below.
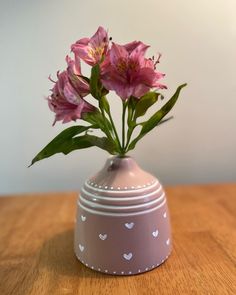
(198, 42)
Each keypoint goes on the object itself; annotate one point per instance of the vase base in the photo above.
(124, 273)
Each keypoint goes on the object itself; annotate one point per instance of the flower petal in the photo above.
(66, 102)
(132, 45)
(91, 50)
(71, 95)
(118, 54)
(74, 73)
(100, 39)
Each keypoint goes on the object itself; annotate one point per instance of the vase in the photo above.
(122, 222)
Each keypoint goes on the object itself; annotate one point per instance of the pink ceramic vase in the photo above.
(122, 224)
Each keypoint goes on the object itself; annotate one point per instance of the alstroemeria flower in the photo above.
(126, 70)
(66, 102)
(91, 50)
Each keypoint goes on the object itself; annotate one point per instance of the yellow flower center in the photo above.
(124, 66)
(121, 65)
(96, 52)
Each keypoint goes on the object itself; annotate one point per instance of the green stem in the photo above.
(115, 131)
(131, 129)
(106, 131)
(130, 132)
(123, 126)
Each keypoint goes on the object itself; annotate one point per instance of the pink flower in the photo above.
(66, 102)
(126, 70)
(91, 50)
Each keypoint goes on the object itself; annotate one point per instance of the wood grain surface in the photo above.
(36, 247)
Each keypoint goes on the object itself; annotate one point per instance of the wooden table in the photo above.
(36, 247)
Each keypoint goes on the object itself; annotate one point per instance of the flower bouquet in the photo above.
(122, 224)
(120, 68)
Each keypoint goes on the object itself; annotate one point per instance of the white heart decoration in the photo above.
(81, 248)
(128, 256)
(129, 225)
(155, 233)
(83, 218)
(164, 215)
(103, 237)
(168, 242)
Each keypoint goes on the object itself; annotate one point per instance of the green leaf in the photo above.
(104, 104)
(95, 84)
(157, 117)
(144, 103)
(98, 119)
(62, 143)
(92, 140)
(165, 120)
(93, 117)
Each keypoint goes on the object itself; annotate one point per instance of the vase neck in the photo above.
(121, 172)
(121, 163)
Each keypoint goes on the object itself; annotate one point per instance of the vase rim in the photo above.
(121, 157)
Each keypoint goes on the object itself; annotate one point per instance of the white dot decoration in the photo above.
(120, 188)
(129, 272)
